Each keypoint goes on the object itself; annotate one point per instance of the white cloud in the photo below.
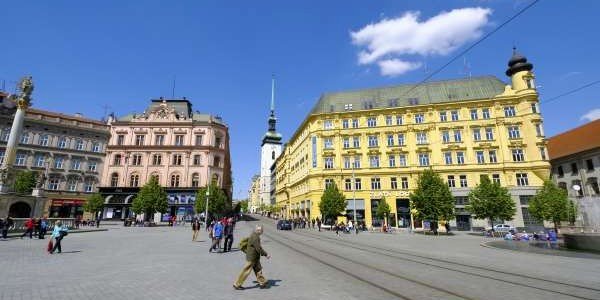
(592, 115)
(389, 39)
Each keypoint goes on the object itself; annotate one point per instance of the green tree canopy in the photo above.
(550, 203)
(94, 204)
(383, 209)
(25, 182)
(491, 201)
(244, 206)
(218, 203)
(432, 199)
(332, 202)
(151, 199)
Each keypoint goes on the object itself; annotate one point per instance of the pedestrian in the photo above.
(6, 225)
(228, 235)
(43, 228)
(447, 226)
(195, 228)
(217, 235)
(29, 225)
(58, 234)
(253, 253)
(319, 224)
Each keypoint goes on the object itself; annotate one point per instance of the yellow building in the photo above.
(254, 200)
(462, 129)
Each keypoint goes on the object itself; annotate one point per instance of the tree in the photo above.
(218, 203)
(332, 202)
(151, 199)
(244, 205)
(94, 204)
(383, 210)
(491, 201)
(550, 203)
(25, 182)
(572, 213)
(432, 199)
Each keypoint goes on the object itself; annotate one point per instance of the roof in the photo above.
(575, 140)
(463, 89)
(65, 116)
(182, 107)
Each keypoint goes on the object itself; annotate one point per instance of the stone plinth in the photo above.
(583, 241)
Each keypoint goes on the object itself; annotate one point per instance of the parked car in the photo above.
(501, 228)
(284, 225)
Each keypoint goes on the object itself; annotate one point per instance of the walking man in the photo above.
(228, 235)
(253, 254)
(217, 235)
(29, 225)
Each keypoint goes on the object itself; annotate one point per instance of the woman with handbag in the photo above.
(58, 234)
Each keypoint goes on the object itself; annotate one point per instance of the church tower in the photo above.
(270, 150)
(519, 71)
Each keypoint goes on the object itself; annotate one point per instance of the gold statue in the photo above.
(26, 88)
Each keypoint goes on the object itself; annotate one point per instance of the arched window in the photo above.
(134, 180)
(155, 175)
(114, 179)
(195, 180)
(175, 180)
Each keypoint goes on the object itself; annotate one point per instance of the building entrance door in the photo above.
(463, 222)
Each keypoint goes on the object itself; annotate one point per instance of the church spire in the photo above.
(272, 136)
(272, 95)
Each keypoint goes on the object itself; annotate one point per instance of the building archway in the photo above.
(19, 210)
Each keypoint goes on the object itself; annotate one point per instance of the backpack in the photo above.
(244, 245)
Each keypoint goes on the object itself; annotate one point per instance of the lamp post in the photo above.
(207, 195)
(354, 197)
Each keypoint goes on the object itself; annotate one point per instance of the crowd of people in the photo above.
(220, 230)
(549, 236)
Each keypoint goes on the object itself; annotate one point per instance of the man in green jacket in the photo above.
(253, 254)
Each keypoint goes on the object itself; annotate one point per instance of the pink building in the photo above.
(180, 147)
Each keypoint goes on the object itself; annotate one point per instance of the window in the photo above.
(454, 115)
(134, 180)
(393, 183)
(347, 163)
(492, 155)
(120, 139)
(199, 139)
(400, 139)
(513, 132)
(451, 181)
(392, 160)
(375, 183)
(476, 134)
(423, 159)
(524, 199)
(402, 160)
(348, 184)
(517, 155)
(374, 161)
(75, 164)
(156, 159)
(346, 142)
(480, 157)
(489, 134)
(509, 111)
(371, 122)
(345, 123)
(496, 178)
(373, 141)
(44, 140)
(179, 140)
(419, 118)
(328, 182)
(88, 186)
(71, 185)
(356, 141)
(40, 160)
(543, 154)
(538, 130)
(25, 138)
(445, 137)
(117, 160)
(96, 147)
(139, 139)
(357, 162)
(534, 108)
(92, 166)
(177, 160)
(460, 158)
(357, 184)
(461, 200)
(390, 140)
(197, 160)
(485, 113)
(5, 134)
(399, 120)
(175, 180)
(421, 138)
(58, 162)
(80, 145)
(474, 115)
(136, 160)
(388, 120)
(62, 143)
(404, 183)
(574, 169)
(328, 162)
(1, 157)
(195, 180)
(457, 136)
(448, 158)
(328, 124)
(217, 161)
(20, 160)
(443, 116)
(114, 180)
(589, 164)
(328, 143)
(218, 143)
(560, 171)
(463, 180)
(354, 123)
(529, 83)
(522, 179)
(53, 184)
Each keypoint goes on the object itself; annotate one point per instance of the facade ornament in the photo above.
(40, 181)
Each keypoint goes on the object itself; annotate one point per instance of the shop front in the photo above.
(360, 210)
(66, 208)
(403, 212)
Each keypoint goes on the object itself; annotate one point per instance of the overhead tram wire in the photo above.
(571, 91)
(462, 53)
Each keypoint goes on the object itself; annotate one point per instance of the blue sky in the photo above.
(122, 53)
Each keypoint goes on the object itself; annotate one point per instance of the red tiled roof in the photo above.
(576, 140)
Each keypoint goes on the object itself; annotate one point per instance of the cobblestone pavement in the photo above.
(163, 263)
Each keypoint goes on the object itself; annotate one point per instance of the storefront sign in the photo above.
(388, 194)
(61, 202)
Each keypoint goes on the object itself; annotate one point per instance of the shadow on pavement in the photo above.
(74, 251)
(270, 283)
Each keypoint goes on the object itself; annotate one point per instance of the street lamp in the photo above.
(207, 195)
(354, 196)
